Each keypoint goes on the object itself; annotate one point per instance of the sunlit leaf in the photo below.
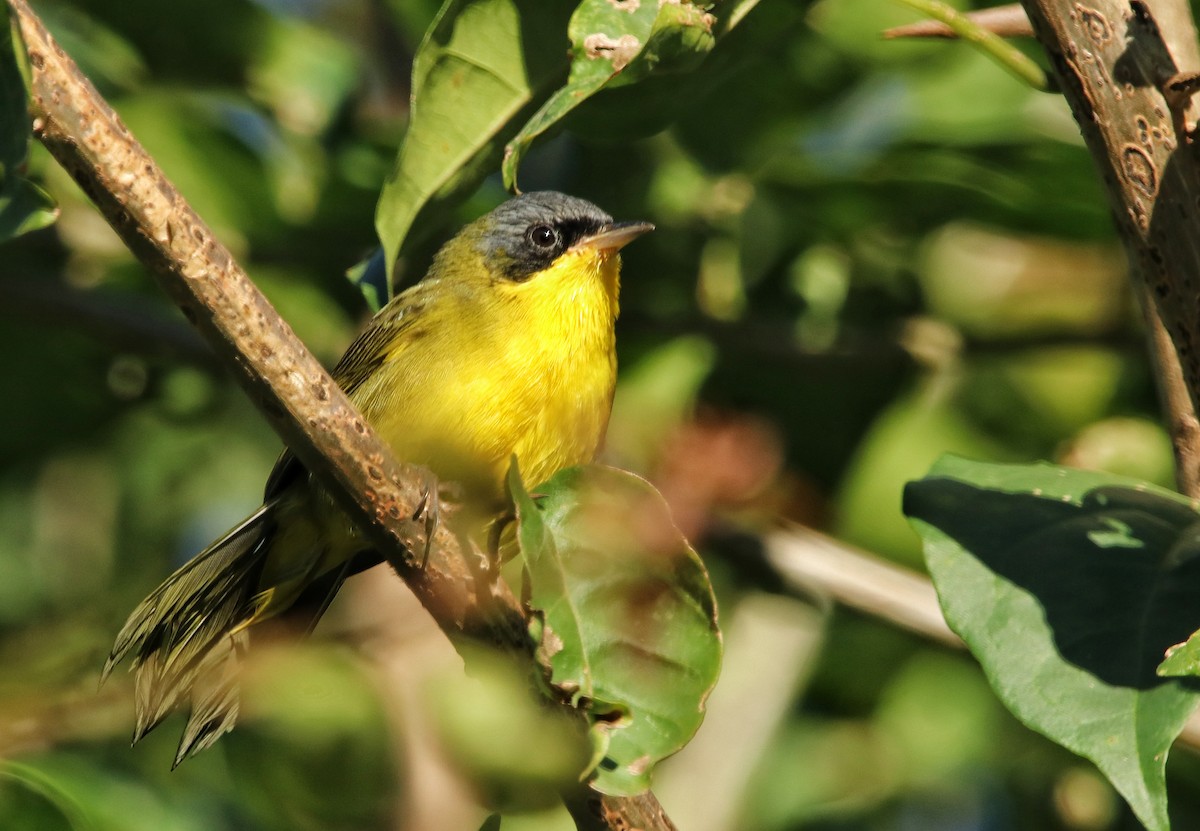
(1182, 659)
(370, 276)
(1068, 586)
(615, 42)
(629, 619)
(484, 64)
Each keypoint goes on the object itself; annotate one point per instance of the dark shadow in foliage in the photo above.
(1117, 576)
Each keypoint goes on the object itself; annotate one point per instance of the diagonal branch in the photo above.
(285, 381)
(1114, 61)
(304, 405)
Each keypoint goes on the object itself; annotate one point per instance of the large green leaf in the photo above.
(629, 622)
(1068, 586)
(615, 42)
(483, 65)
(23, 205)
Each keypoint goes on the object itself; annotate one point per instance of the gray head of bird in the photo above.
(528, 234)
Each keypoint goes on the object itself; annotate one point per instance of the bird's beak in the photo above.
(614, 237)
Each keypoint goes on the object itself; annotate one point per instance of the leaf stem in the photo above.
(1009, 57)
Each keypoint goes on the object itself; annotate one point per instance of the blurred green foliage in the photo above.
(24, 206)
(868, 253)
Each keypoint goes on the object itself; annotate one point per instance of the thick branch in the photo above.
(1112, 60)
(304, 405)
(285, 381)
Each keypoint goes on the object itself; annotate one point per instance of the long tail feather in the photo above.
(185, 638)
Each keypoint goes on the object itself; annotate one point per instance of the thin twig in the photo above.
(1012, 59)
(304, 405)
(811, 562)
(1006, 21)
(808, 559)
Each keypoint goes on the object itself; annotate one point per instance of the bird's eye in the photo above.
(543, 236)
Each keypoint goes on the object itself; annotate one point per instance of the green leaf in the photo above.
(369, 277)
(629, 619)
(1182, 659)
(24, 206)
(617, 42)
(1009, 57)
(733, 12)
(47, 788)
(14, 103)
(1068, 586)
(482, 67)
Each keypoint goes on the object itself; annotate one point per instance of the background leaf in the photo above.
(43, 786)
(1068, 586)
(516, 752)
(14, 119)
(616, 42)
(24, 206)
(482, 64)
(630, 628)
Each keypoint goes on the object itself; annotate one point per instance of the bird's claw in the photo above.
(428, 509)
(495, 535)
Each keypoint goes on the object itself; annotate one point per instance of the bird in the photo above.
(505, 348)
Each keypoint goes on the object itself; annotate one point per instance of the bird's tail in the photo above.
(186, 637)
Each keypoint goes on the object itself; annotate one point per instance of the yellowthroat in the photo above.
(505, 347)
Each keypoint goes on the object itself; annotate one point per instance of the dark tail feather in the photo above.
(185, 637)
(310, 606)
(216, 698)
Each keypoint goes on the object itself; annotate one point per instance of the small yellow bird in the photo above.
(506, 347)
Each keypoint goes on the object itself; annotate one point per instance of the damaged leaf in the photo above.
(628, 618)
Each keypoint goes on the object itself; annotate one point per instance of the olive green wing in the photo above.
(399, 320)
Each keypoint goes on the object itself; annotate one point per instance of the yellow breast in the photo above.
(516, 367)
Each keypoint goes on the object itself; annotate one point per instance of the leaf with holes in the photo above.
(617, 42)
(628, 618)
(482, 68)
